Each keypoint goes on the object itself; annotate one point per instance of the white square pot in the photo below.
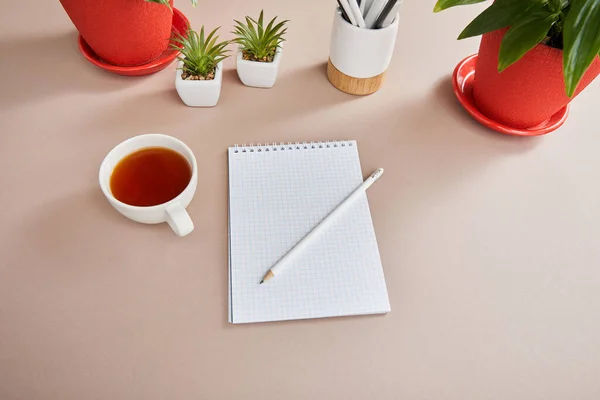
(258, 74)
(199, 93)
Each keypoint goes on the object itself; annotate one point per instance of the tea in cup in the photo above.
(151, 179)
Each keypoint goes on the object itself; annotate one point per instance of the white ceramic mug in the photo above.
(173, 212)
(361, 53)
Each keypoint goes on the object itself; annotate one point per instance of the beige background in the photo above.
(490, 243)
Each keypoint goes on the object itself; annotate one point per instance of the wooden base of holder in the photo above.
(351, 85)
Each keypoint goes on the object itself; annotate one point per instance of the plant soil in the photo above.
(555, 37)
(189, 77)
(554, 41)
(250, 57)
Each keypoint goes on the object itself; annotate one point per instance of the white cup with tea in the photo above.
(151, 179)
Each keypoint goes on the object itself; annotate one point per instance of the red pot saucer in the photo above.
(180, 25)
(462, 82)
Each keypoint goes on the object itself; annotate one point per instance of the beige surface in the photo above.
(489, 243)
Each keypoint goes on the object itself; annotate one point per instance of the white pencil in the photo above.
(368, 4)
(357, 14)
(321, 227)
(392, 15)
(374, 12)
(349, 13)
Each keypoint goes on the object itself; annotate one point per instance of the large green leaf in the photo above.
(499, 15)
(163, 2)
(581, 35)
(557, 5)
(443, 4)
(166, 2)
(524, 35)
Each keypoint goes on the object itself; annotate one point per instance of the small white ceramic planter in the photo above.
(359, 58)
(258, 74)
(199, 93)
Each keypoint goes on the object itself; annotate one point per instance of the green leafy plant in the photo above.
(259, 43)
(167, 3)
(570, 25)
(200, 55)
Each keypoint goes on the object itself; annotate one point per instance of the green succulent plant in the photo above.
(570, 25)
(166, 2)
(259, 43)
(200, 55)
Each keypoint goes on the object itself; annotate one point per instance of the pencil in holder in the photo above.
(358, 57)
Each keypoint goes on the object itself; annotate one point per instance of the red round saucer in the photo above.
(180, 25)
(462, 82)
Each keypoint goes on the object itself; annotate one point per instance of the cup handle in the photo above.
(179, 220)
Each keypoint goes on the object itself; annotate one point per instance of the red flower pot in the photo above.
(122, 32)
(528, 92)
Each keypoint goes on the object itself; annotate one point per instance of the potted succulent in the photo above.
(200, 68)
(535, 56)
(259, 52)
(123, 32)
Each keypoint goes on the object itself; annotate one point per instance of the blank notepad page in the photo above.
(277, 195)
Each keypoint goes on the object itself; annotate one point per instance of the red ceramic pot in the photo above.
(528, 92)
(122, 32)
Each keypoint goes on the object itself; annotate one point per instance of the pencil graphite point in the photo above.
(261, 282)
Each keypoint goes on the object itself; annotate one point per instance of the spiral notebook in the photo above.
(277, 195)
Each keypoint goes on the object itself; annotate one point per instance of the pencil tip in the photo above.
(261, 282)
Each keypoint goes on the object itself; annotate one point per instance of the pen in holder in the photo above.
(358, 57)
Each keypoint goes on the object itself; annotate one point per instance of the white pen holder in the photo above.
(359, 58)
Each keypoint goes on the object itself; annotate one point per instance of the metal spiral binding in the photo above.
(283, 146)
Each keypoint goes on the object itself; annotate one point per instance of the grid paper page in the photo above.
(278, 194)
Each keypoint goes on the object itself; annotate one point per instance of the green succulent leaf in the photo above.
(200, 54)
(581, 34)
(260, 24)
(524, 35)
(501, 14)
(259, 41)
(444, 4)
